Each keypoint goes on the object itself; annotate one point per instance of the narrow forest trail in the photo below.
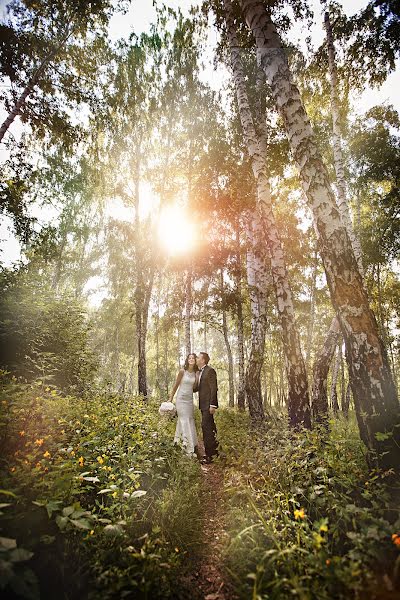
(206, 579)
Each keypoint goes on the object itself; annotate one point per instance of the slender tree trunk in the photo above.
(346, 404)
(144, 285)
(298, 401)
(188, 309)
(241, 391)
(311, 317)
(335, 377)
(225, 332)
(342, 381)
(157, 340)
(337, 146)
(320, 373)
(259, 282)
(375, 396)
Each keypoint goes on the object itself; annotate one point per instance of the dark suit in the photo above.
(208, 396)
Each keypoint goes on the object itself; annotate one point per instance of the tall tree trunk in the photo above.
(188, 310)
(298, 400)
(231, 395)
(157, 385)
(241, 390)
(259, 282)
(375, 396)
(144, 284)
(320, 373)
(335, 377)
(343, 205)
(337, 146)
(346, 403)
(311, 316)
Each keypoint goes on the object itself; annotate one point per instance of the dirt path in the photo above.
(206, 580)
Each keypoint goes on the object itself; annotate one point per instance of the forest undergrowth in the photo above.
(96, 502)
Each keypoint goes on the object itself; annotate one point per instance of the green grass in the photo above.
(95, 497)
(305, 518)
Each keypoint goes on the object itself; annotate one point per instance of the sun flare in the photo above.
(176, 232)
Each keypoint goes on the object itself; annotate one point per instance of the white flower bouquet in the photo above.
(167, 409)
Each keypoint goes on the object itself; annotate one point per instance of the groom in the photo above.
(208, 404)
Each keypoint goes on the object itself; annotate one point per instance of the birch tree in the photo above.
(375, 396)
(259, 284)
(298, 399)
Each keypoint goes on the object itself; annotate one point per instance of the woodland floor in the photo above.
(205, 579)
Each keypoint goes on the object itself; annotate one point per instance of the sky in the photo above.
(139, 17)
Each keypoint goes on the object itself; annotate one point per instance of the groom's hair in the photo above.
(206, 357)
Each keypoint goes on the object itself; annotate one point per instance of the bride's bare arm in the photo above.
(176, 384)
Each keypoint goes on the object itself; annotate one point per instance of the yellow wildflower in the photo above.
(46, 454)
(100, 460)
(81, 460)
(22, 433)
(114, 494)
(299, 514)
(91, 531)
(324, 527)
(39, 442)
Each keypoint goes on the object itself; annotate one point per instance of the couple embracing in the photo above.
(196, 376)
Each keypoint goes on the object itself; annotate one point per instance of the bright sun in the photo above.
(175, 231)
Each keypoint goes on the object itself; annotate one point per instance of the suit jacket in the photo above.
(207, 389)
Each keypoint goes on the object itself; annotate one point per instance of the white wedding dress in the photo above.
(185, 433)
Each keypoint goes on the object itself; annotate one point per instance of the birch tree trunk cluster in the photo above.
(371, 380)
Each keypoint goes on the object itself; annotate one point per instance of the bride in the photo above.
(185, 428)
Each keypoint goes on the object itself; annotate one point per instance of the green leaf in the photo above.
(81, 523)
(62, 522)
(382, 437)
(7, 493)
(138, 493)
(113, 530)
(67, 511)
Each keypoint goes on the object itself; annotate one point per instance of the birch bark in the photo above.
(241, 391)
(188, 309)
(338, 158)
(259, 282)
(298, 399)
(375, 396)
(225, 332)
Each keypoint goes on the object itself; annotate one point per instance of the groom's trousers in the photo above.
(209, 433)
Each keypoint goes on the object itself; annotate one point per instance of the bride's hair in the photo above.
(186, 365)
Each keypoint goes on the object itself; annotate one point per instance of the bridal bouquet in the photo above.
(167, 409)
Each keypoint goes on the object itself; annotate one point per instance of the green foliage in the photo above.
(97, 492)
(44, 335)
(305, 518)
